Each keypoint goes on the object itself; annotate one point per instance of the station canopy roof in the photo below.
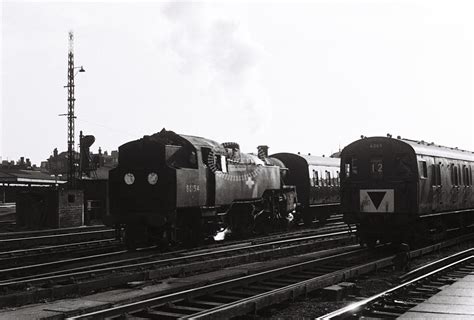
(20, 177)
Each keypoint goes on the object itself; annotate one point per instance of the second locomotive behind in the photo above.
(180, 188)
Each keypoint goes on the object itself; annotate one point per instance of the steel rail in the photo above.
(59, 263)
(22, 252)
(361, 304)
(434, 265)
(32, 233)
(55, 236)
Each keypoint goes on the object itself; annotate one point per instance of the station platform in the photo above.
(455, 301)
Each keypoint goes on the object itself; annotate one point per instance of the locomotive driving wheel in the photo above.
(190, 230)
(136, 235)
(263, 223)
(241, 219)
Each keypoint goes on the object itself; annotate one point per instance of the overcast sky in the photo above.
(308, 76)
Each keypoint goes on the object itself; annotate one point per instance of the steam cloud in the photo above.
(225, 59)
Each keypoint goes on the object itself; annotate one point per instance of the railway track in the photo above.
(50, 257)
(46, 232)
(31, 239)
(248, 294)
(44, 254)
(418, 286)
(90, 276)
(7, 225)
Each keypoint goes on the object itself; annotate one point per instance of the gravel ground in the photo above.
(368, 285)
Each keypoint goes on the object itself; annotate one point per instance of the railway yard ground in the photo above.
(300, 274)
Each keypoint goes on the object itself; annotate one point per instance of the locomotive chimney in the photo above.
(262, 152)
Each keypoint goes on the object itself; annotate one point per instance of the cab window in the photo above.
(350, 167)
(213, 161)
(347, 169)
(180, 157)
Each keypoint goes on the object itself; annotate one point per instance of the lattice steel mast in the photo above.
(71, 172)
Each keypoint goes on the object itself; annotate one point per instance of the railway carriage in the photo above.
(317, 183)
(405, 190)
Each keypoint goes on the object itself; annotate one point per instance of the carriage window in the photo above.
(348, 169)
(436, 175)
(315, 178)
(465, 175)
(458, 176)
(423, 169)
(454, 175)
(470, 176)
(376, 168)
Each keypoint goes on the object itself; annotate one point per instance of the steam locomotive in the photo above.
(400, 190)
(170, 188)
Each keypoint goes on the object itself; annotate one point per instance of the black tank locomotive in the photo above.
(170, 187)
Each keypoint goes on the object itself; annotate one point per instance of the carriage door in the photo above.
(208, 160)
(455, 185)
(436, 186)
